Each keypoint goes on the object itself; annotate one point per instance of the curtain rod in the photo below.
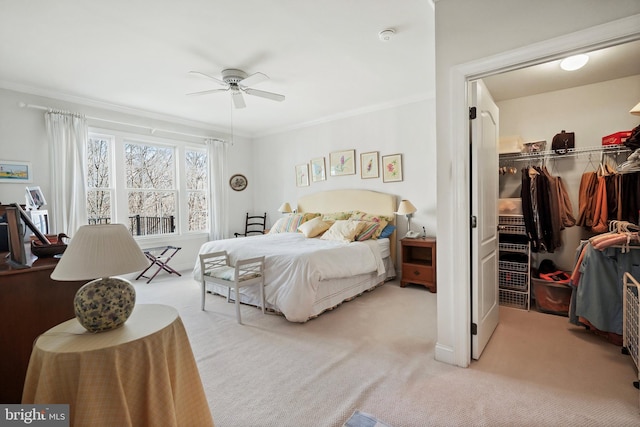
(149, 128)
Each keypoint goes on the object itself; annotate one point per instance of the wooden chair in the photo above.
(215, 268)
(253, 224)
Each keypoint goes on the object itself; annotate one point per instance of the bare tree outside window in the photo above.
(151, 188)
(99, 187)
(153, 192)
(197, 185)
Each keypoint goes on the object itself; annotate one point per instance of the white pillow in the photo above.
(344, 230)
(313, 227)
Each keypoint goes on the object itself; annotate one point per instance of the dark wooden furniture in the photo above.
(253, 224)
(419, 262)
(30, 304)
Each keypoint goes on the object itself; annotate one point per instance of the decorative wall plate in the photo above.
(238, 182)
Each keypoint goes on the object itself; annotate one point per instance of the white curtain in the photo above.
(218, 189)
(68, 135)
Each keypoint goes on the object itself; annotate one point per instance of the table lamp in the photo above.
(406, 208)
(98, 252)
(285, 208)
(635, 110)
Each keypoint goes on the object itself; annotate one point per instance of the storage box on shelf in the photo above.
(514, 262)
(617, 138)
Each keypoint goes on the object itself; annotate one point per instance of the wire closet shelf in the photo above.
(572, 152)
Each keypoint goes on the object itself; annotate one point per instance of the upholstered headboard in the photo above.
(368, 201)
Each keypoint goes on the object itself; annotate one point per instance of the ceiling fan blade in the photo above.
(253, 79)
(238, 99)
(206, 92)
(263, 94)
(215, 79)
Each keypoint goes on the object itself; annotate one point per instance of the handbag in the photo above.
(563, 142)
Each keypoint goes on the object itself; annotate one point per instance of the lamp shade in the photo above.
(100, 251)
(636, 110)
(406, 208)
(285, 208)
(97, 252)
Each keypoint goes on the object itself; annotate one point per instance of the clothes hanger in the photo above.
(590, 163)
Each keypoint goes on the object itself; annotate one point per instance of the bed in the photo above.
(306, 276)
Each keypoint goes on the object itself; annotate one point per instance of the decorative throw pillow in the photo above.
(336, 216)
(368, 231)
(307, 216)
(343, 231)
(387, 231)
(380, 219)
(287, 224)
(314, 227)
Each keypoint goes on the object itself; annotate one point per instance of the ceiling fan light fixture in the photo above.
(574, 62)
(386, 35)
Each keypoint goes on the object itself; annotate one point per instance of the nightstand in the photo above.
(419, 262)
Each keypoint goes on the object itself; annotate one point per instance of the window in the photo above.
(197, 185)
(151, 189)
(99, 184)
(154, 186)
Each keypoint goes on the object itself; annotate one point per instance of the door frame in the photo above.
(456, 313)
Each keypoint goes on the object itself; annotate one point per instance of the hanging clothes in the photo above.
(587, 199)
(528, 210)
(546, 208)
(599, 222)
(564, 202)
(629, 197)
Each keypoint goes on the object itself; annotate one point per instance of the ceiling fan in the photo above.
(237, 81)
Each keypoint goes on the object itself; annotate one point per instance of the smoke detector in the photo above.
(386, 35)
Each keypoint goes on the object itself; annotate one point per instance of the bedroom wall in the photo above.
(592, 112)
(468, 31)
(408, 129)
(23, 137)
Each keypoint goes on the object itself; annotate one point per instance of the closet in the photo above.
(538, 237)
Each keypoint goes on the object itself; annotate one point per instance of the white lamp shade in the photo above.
(98, 251)
(406, 208)
(285, 208)
(636, 110)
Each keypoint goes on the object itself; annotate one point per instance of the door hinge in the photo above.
(474, 329)
(474, 221)
(472, 113)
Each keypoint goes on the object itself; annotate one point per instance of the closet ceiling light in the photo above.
(636, 110)
(574, 62)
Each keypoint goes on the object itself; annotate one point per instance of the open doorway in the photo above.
(528, 97)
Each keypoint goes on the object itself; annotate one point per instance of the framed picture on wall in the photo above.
(16, 172)
(342, 162)
(392, 168)
(318, 172)
(369, 165)
(302, 175)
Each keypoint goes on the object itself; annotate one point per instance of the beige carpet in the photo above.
(376, 354)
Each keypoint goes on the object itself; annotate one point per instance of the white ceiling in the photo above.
(325, 57)
(604, 64)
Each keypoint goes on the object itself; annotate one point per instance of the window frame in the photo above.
(119, 203)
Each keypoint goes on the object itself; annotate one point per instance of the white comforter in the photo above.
(296, 265)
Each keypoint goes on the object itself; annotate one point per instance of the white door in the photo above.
(484, 210)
